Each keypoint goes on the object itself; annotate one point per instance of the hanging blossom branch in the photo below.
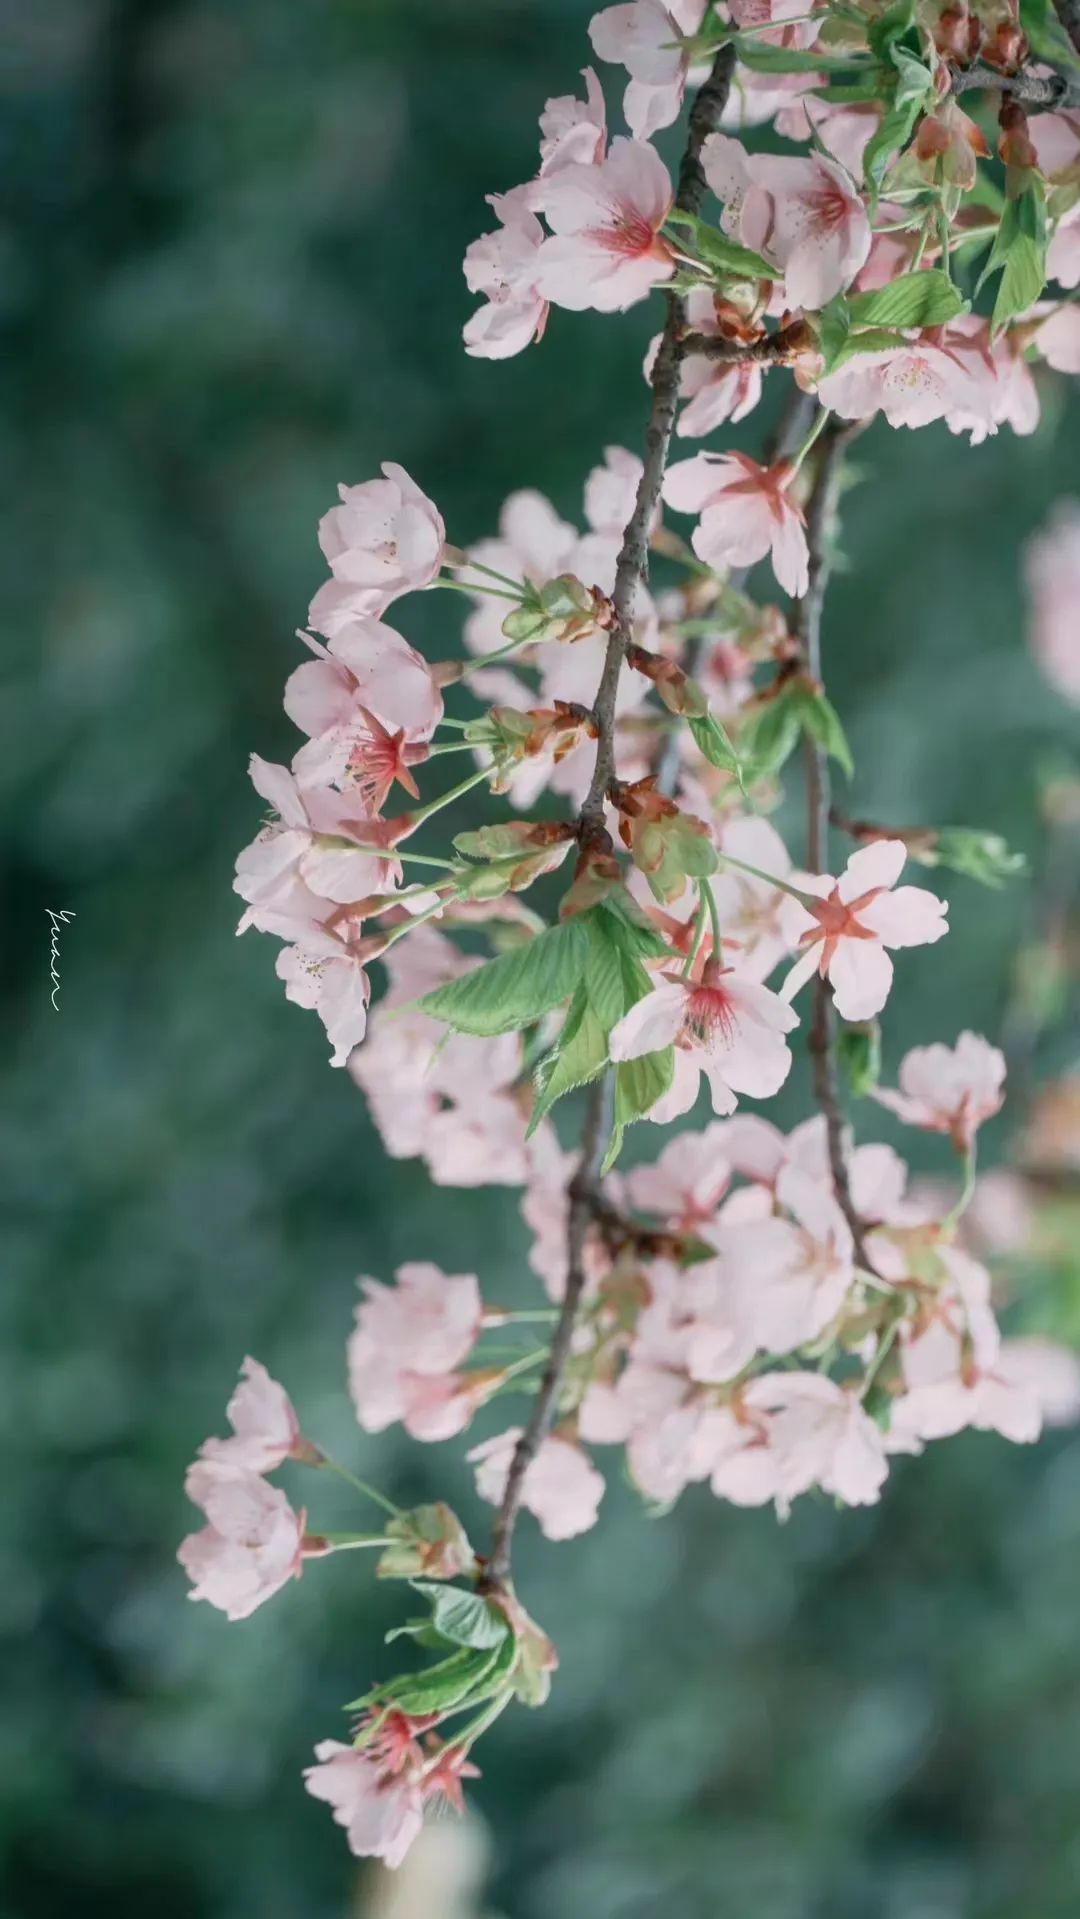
(631, 572)
(766, 1312)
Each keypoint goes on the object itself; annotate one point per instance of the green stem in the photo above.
(489, 659)
(471, 1732)
(415, 919)
(458, 586)
(516, 586)
(326, 1464)
(447, 799)
(771, 879)
(817, 428)
(699, 929)
(714, 921)
(347, 1542)
(452, 746)
(967, 1193)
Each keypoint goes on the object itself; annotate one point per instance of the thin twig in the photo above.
(772, 349)
(820, 518)
(1045, 92)
(631, 572)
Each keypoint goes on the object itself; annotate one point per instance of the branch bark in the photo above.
(820, 522)
(631, 572)
(1044, 92)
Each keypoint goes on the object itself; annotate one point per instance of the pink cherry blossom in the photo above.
(503, 266)
(687, 1182)
(1050, 1371)
(561, 1488)
(251, 1545)
(643, 36)
(266, 1430)
(386, 538)
(947, 1089)
(425, 1325)
(750, 909)
(796, 1271)
(544, 1208)
(804, 215)
(792, 1431)
(380, 1810)
(844, 933)
(726, 1026)
(746, 511)
(369, 705)
(950, 1362)
(611, 490)
(573, 132)
(606, 251)
(533, 546)
(1063, 253)
(328, 980)
(1058, 338)
(912, 384)
(322, 838)
(1052, 565)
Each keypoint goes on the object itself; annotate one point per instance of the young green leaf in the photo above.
(465, 1618)
(515, 989)
(639, 1083)
(821, 721)
(923, 299)
(578, 1055)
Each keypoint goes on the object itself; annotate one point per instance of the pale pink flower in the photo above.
(726, 1026)
(746, 512)
(777, 23)
(793, 1431)
(503, 266)
(845, 931)
(252, 1544)
(1056, 139)
(951, 1366)
(947, 1089)
(1002, 390)
(544, 1208)
(644, 37)
(320, 837)
(844, 131)
(425, 1325)
(480, 1139)
(750, 909)
(329, 980)
(562, 1488)
(533, 546)
(1050, 1371)
(386, 538)
(573, 132)
(912, 384)
(1052, 566)
(1058, 338)
(714, 393)
(794, 1273)
(687, 1182)
(1063, 253)
(606, 251)
(369, 707)
(804, 215)
(611, 490)
(265, 1427)
(380, 1810)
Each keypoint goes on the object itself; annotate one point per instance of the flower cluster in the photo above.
(773, 1313)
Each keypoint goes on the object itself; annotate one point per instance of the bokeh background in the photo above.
(229, 278)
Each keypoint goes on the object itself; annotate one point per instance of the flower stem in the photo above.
(818, 427)
(447, 799)
(771, 879)
(967, 1193)
(699, 929)
(359, 1485)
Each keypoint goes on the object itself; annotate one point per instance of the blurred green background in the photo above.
(229, 278)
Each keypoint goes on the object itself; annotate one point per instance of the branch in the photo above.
(773, 349)
(1044, 92)
(631, 572)
(820, 517)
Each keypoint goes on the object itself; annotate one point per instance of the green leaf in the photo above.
(770, 736)
(891, 138)
(437, 1688)
(615, 979)
(465, 1618)
(712, 740)
(640, 936)
(725, 256)
(1019, 249)
(766, 59)
(516, 989)
(980, 856)
(578, 1055)
(639, 1083)
(859, 1052)
(923, 299)
(822, 722)
(890, 27)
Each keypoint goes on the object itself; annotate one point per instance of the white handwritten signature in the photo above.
(56, 921)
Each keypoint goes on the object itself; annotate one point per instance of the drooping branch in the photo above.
(1042, 92)
(820, 526)
(631, 573)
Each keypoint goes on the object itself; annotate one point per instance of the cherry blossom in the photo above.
(329, 980)
(425, 1325)
(533, 546)
(922, 380)
(746, 511)
(605, 251)
(804, 215)
(1048, 1370)
(503, 266)
(386, 538)
(322, 838)
(644, 37)
(724, 1025)
(950, 1361)
(1052, 563)
(368, 704)
(562, 1488)
(381, 1810)
(796, 1271)
(266, 1430)
(792, 1431)
(750, 908)
(845, 931)
(251, 1545)
(1063, 253)
(1058, 338)
(573, 132)
(947, 1089)
(687, 1182)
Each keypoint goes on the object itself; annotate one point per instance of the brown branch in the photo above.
(632, 570)
(773, 349)
(1044, 92)
(820, 518)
